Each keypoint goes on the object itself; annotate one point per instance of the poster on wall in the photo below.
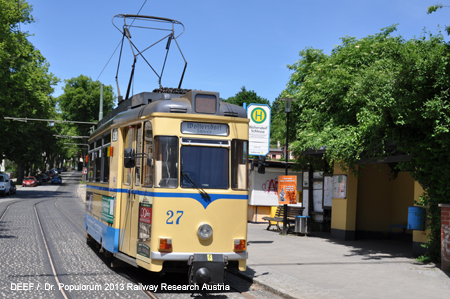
(327, 191)
(318, 175)
(340, 186)
(305, 179)
(318, 200)
(305, 198)
(287, 189)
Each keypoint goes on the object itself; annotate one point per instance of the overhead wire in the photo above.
(145, 1)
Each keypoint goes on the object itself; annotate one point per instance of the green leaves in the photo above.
(26, 85)
(374, 95)
(248, 97)
(81, 100)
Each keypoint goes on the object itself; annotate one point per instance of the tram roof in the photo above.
(147, 103)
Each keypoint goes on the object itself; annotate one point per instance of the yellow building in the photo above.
(374, 201)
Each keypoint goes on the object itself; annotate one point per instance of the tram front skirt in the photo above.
(206, 268)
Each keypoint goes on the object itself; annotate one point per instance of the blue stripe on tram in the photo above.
(203, 201)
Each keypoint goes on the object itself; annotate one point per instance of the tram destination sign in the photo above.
(259, 129)
(196, 128)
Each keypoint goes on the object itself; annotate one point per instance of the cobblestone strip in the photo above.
(79, 266)
(25, 269)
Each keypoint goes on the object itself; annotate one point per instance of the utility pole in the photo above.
(100, 115)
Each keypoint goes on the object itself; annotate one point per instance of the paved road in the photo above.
(26, 271)
(25, 268)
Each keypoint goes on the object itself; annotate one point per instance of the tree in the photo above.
(374, 93)
(248, 97)
(434, 8)
(81, 100)
(26, 85)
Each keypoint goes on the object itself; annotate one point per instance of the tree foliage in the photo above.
(434, 8)
(26, 85)
(374, 94)
(81, 100)
(247, 97)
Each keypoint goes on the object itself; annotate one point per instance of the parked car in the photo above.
(12, 189)
(53, 172)
(5, 184)
(57, 179)
(39, 179)
(45, 177)
(29, 181)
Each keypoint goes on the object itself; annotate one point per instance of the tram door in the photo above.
(132, 138)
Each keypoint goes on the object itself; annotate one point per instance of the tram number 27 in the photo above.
(170, 213)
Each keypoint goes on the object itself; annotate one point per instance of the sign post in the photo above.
(259, 129)
(84, 175)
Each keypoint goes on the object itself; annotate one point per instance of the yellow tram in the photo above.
(167, 184)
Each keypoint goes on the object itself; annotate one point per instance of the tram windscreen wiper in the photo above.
(194, 184)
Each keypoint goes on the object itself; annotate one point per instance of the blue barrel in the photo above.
(416, 218)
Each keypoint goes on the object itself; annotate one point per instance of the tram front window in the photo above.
(206, 166)
(166, 166)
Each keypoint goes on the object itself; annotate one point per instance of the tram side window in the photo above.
(91, 163)
(97, 163)
(239, 164)
(105, 156)
(128, 141)
(137, 169)
(166, 162)
(147, 172)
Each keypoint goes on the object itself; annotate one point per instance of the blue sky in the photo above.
(227, 44)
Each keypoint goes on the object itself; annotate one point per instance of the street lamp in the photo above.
(287, 109)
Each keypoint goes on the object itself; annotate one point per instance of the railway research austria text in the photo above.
(118, 287)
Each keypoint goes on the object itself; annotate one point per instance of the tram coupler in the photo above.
(207, 268)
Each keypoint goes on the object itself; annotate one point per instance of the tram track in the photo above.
(49, 254)
(6, 210)
(135, 279)
(56, 275)
(130, 275)
(54, 270)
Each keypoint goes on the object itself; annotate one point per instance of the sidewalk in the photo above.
(319, 267)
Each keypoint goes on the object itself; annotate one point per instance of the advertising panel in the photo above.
(287, 189)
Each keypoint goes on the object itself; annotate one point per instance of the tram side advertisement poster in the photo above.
(145, 225)
(287, 189)
(108, 209)
(258, 129)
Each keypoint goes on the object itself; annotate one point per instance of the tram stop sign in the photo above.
(259, 129)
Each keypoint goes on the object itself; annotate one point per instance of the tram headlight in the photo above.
(205, 231)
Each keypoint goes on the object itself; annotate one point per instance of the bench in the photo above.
(404, 227)
(291, 213)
